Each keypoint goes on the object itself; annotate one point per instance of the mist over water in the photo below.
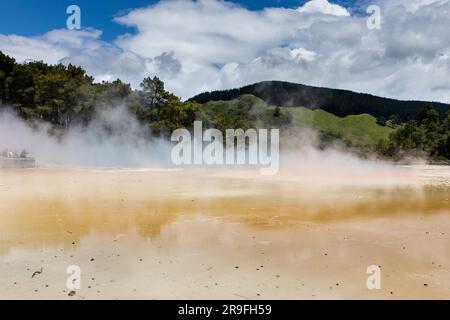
(114, 138)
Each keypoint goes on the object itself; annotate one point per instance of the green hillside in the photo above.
(358, 129)
(65, 97)
(338, 102)
(249, 111)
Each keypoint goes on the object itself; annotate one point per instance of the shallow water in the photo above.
(225, 233)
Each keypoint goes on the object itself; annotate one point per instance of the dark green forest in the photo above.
(427, 135)
(65, 97)
(338, 102)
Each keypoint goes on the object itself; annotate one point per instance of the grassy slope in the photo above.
(359, 129)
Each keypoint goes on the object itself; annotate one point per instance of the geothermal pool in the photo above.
(225, 234)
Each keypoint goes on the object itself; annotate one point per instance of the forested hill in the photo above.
(338, 102)
(65, 97)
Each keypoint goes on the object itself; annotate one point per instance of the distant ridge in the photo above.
(338, 102)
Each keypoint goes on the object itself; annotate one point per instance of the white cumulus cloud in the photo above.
(323, 6)
(209, 44)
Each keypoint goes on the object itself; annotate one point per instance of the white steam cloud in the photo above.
(114, 138)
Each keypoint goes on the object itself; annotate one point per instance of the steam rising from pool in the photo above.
(114, 138)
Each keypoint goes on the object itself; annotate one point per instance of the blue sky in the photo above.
(35, 17)
(210, 45)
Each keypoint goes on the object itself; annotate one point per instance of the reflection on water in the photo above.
(52, 207)
(226, 234)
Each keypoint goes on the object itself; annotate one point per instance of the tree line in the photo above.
(338, 102)
(427, 135)
(65, 96)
